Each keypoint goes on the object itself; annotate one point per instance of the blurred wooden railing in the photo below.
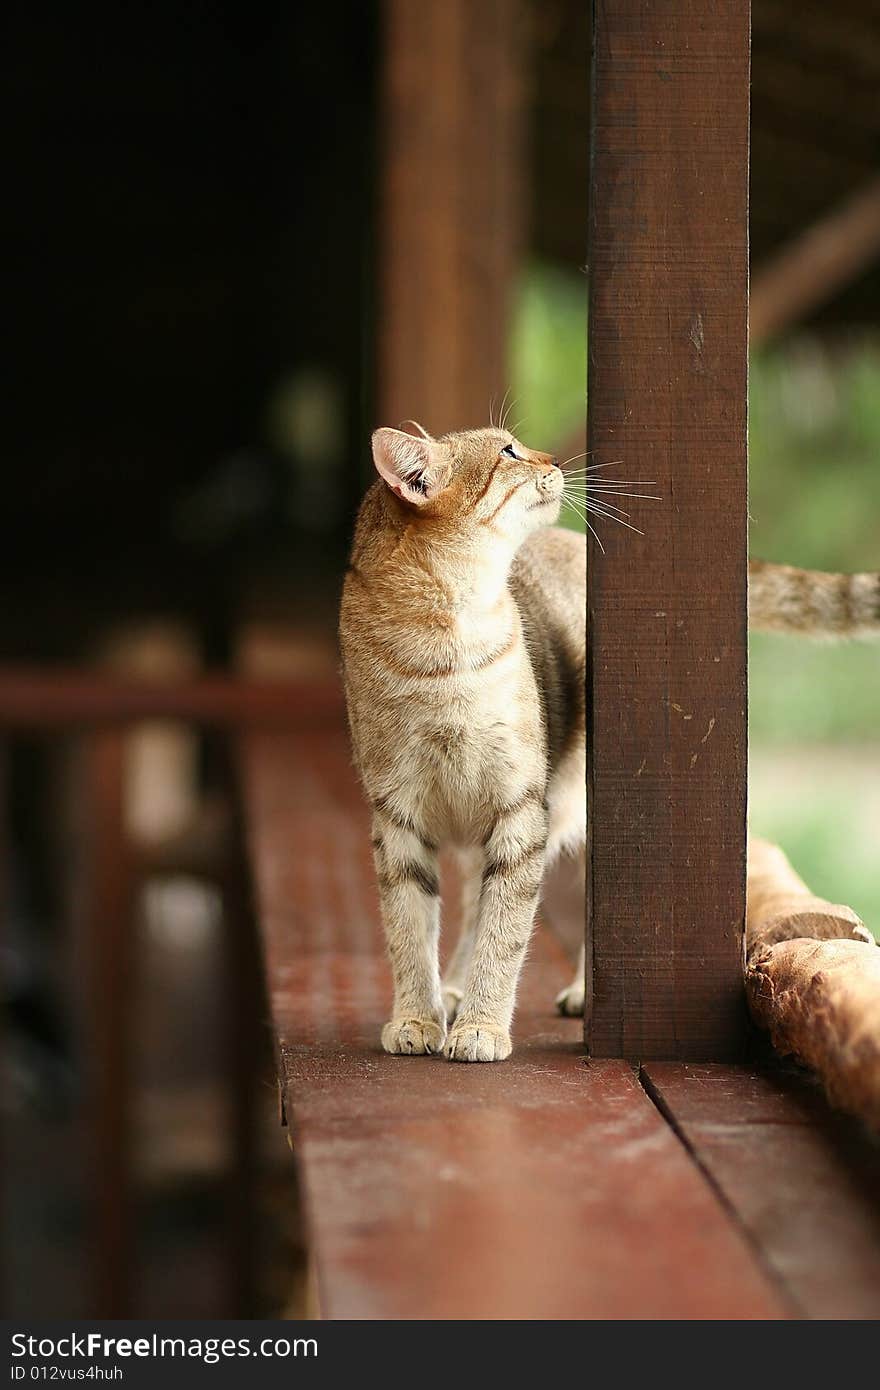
(66, 698)
(98, 711)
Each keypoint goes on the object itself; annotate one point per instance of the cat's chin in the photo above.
(545, 513)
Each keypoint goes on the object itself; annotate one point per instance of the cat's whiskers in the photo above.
(610, 516)
(609, 507)
(586, 497)
(620, 488)
(575, 504)
(594, 510)
(580, 512)
(617, 486)
(587, 481)
(613, 492)
(608, 482)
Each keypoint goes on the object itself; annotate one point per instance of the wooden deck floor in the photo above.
(546, 1187)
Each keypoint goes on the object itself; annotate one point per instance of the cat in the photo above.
(463, 639)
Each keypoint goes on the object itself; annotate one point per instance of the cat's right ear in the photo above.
(411, 467)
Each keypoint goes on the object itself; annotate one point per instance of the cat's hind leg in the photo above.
(567, 842)
(570, 1001)
(455, 974)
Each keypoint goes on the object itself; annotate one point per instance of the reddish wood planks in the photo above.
(803, 1181)
(544, 1187)
(667, 396)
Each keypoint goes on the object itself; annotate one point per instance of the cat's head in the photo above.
(476, 481)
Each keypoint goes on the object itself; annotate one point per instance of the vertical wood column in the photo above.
(451, 209)
(667, 612)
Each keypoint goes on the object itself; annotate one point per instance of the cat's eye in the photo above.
(509, 452)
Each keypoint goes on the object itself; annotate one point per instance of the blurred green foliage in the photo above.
(549, 356)
(814, 437)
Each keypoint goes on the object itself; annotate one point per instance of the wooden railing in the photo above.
(97, 711)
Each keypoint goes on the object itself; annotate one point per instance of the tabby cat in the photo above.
(463, 633)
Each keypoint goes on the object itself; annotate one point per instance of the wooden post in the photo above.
(667, 612)
(451, 213)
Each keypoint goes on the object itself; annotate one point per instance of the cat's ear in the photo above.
(412, 468)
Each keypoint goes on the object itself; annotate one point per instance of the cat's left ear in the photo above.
(412, 468)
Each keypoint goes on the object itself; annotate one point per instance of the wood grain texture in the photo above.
(543, 1187)
(667, 612)
(802, 1180)
(451, 208)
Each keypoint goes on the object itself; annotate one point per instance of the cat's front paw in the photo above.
(478, 1042)
(570, 1001)
(413, 1036)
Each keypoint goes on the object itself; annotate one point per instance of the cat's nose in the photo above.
(554, 461)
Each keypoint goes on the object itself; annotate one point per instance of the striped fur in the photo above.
(812, 603)
(463, 643)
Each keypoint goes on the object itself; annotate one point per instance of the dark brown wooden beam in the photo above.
(451, 208)
(667, 612)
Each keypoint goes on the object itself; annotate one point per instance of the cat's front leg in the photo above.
(514, 866)
(409, 891)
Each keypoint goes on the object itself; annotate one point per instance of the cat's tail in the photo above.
(813, 603)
